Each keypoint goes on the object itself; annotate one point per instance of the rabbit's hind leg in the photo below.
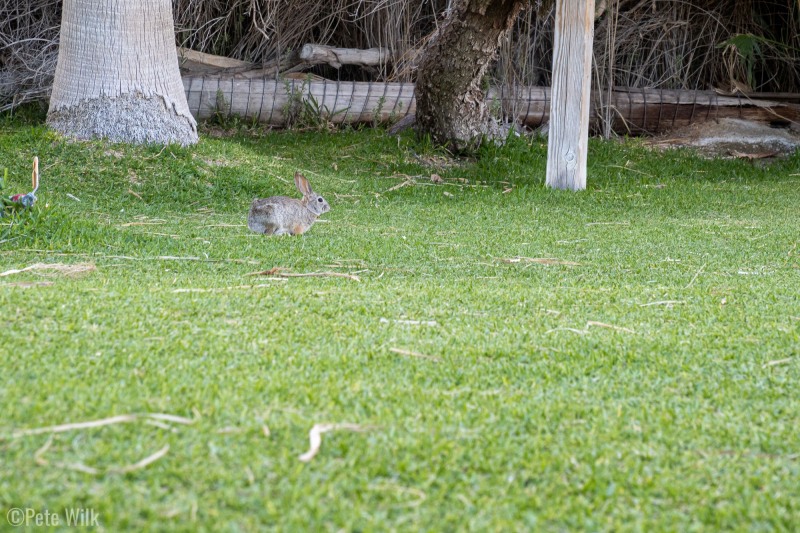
(259, 227)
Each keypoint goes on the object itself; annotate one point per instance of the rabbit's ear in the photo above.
(301, 183)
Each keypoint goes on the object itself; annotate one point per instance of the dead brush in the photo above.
(671, 44)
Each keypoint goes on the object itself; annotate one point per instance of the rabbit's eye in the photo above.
(319, 200)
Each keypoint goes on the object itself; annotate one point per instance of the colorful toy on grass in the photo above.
(18, 202)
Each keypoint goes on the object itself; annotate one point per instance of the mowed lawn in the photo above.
(624, 358)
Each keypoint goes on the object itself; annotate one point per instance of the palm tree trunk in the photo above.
(117, 74)
(451, 104)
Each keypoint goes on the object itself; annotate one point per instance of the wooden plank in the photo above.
(571, 88)
(200, 62)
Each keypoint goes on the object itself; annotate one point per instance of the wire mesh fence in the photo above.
(313, 102)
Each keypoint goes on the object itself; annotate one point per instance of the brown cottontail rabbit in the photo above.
(278, 215)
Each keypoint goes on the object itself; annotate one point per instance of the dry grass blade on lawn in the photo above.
(276, 271)
(59, 268)
(150, 459)
(608, 326)
(409, 322)
(409, 353)
(40, 460)
(166, 417)
(151, 223)
(668, 303)
(119, 419)
(61, 428)
(777, 362)
(420, 495)
(696, 274)
(232, 288)
(539, 261)
(315, 437)
(573, 330)
(224, 226)
(406, 183)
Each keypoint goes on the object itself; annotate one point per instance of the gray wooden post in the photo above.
(568, 134)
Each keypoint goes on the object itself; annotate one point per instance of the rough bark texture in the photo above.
(451, 104)
(117, 75)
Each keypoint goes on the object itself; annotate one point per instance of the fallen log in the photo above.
(634, 111)
(649, 111)
(194, 63)
(274, 101)
(316, 54)
(197, 63)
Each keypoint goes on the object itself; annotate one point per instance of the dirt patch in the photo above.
(732, 138)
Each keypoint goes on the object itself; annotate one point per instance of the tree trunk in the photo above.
(117, 74)
(451, 104)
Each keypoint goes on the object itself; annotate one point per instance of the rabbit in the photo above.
(279, 215)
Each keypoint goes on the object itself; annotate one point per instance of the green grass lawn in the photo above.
(620, 359)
